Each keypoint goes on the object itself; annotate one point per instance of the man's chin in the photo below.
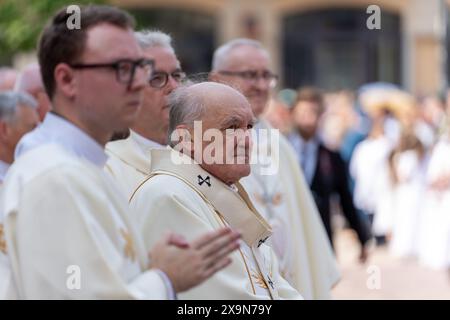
(258, 106)
(244, 170)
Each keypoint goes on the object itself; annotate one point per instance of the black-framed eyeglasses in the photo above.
(254, 76)
(159, 79)
(125, 68)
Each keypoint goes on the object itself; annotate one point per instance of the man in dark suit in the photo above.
(324, 169)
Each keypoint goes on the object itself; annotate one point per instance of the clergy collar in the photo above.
(130, 152)
(145, 143)
(73, 139)
(233, 205)
(3, 170)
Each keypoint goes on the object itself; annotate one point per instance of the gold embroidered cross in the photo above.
(129, 246)
(2, 239)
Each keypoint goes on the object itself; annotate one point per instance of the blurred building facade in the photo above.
(314, 42)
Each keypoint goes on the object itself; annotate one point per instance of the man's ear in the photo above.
(65, 80)
(182, 139)
(214, 76)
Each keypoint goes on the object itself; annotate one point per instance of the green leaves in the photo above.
(21, 22)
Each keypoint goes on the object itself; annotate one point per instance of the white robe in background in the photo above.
(409, 197)
(65, 220)
(285, 200)
(129, 161)
(434, 240)
(368, 160)
(7, 286)
(187, 200)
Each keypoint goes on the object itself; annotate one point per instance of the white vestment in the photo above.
(187, 200)
(285, 200)
(7, 287)
(129, 161)
(67, 225)
(434, 240)
(409, 196)
(367, 161)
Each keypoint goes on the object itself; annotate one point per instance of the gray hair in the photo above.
(221, 53)
(10, 101)
(154, 38)
(29, 79)
(185, 108)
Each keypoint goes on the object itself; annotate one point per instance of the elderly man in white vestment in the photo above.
(17, 117)
(280, 193)
(129, 159)
(190, 197)
(67, 224)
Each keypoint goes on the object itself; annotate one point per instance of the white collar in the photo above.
(144, 142)
(3, 169)
(298, 141)
(56, 129)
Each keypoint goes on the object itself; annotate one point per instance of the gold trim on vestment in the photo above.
(160, 172)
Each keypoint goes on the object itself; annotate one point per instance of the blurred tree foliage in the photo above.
(21, 22)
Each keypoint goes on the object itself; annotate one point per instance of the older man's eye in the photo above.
(250, 126)
(249, 75)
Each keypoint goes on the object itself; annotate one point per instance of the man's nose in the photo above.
(262, 84)
(171, 85)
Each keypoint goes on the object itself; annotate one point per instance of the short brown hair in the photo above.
(59, 44)
(310, 94)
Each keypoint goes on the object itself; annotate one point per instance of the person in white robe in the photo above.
(17, 117)
(434, 235)
(67, 225)
(190, 197)
(278, 187)
(373, 191)
(408, 166)
(129, 159)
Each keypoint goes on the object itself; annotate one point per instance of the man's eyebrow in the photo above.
(161, 71)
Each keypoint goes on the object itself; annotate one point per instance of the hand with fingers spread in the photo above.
(189, 264)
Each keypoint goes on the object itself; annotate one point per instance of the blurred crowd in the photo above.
(396, 151)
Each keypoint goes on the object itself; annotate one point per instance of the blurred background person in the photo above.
(17, 117)
(30, 81)
(431, 119)
(8, 78)
(325, 171)
(369, 165)
(434, 240)
(407, 168)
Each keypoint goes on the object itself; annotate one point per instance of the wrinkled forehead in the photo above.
(230, 106)
(109, 43)
(246, 57)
